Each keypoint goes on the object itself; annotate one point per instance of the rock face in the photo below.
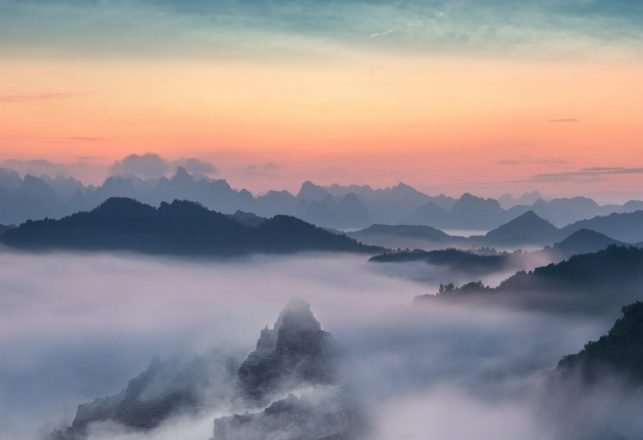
(165, 389)
(330, 417)
(295, 356)
(295, 351)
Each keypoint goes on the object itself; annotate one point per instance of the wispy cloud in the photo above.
(50, 96)
(265, 169)
(532, 161)
(564, 120)
(591, 174)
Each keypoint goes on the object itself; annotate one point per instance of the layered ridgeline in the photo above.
(287, 388)
(620, 352)
(178, 228)
(527, 229)
(596, 282)
(336, 206)
(596, 394)
(480, 262)
(469, 263)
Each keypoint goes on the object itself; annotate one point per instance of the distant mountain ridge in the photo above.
(334, 206)
(527, 229)
(177, 228)
(583, 241)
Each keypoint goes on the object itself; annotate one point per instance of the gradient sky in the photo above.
(448, 95)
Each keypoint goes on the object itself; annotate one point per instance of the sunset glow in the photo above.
(328, 108)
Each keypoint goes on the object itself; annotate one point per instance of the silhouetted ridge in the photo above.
(626, 227)
(455, 259)
(180, 227)
(620, 351)
(582, 241)
(527, 228)
(597, 282)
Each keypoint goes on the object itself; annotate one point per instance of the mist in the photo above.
(76, 327)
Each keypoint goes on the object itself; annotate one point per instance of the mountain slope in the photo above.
(598, 283)
(296, 354)
(582, 241)
(403, 236)
(526, 229)
(627, 227)
(179, 228)
(620, 351)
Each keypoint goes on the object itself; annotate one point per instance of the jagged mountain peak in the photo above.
(296, 351)
(297, 316)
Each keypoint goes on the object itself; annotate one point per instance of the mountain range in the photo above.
(177, 228)
(528, 229)
(334, 206)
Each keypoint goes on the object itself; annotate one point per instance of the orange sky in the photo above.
(444, 124)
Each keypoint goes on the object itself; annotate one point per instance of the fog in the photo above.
(76, 327)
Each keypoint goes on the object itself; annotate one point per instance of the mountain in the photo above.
(626, 227)
(429, 214)
(468, 212)
(619, 352)
(335, 206)
(632, 205)
(313, 193)
(596, 283)
(562, 211)
(296, 350)
(508, 201)
(403, 236)
(526, 229)
(178, 228)
(9, 179)
(247, 218)
(296, 354)
(582, 241)
(471, 212)
(332, 416)
(455, 260)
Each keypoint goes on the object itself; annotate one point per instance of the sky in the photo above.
(447, 95)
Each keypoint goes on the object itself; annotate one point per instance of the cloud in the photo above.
(265, 169)
(532, 161)
(592, 174)
(39, 167)
(147, 166)
(233, 28)
(195, 166)
(79, 327)
(152, 165)
(51, 96)
(564, 120)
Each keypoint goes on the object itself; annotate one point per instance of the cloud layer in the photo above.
(74, 328)
(152, 165)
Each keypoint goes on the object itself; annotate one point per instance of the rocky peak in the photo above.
(295, 351)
